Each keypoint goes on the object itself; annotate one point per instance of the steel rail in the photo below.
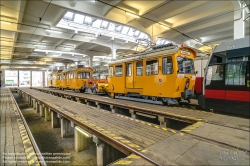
(186, 119)
(96, 132)
(38, 153)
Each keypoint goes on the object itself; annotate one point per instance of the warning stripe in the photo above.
(28, 147)
(192, 127)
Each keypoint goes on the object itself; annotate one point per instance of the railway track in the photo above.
(209, 122)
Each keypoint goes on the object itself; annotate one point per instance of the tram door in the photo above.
(129, 76)
(138, 72)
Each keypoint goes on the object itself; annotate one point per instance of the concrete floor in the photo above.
(50, 141)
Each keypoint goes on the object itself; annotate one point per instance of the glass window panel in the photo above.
(24, 78)
(129, 69)
(118, 71)
(137, 33)
(235, 73)
(88, 19)
(167, 65)
(104, 24)
(11, 77)
(139, 68)
(79, 18)
(37, 78)
(69, 15)
(142, 35)
(125, 30)
(152, 67)
(97, 23)
(131, 32)
(111, 27)
(118, 28)
(185, 65)
(111, 71)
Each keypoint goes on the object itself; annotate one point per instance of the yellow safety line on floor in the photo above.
(192, 127)
(28, 147)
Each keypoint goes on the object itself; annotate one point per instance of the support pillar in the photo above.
(113, 52)
(83, 140)
(91, 61)
(34, 103)
(47, 114)
(37, 107)
(31, 79)
(66, 129)
(43, 78)
(55, 122)
(42, 109)
(78, 100)
(98, 105)
(133, 115)
(106, 154)
(163, 122)
(113, 109)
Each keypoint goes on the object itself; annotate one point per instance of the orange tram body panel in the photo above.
(162, 74)
(53, 79)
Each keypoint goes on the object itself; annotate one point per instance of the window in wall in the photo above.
(152, 67)
(118, 28)
(167, 66)
(88, 20)
(118, 70)
(97, 23)
(11, 77)
(139, 68)
(236, 73)
(129, 69)
(125, 30)
(24, 78)
(110, 71)
(79, 18)
(69, 15)
(37, 78)
(131, 32)
(104, 24)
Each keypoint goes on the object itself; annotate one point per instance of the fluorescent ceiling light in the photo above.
(68, 48)
(164, 26)
(40, 46)
(131, 14)
(5, 42)
(62, 52)
(53, 31)
(5, 22)
(90, 37)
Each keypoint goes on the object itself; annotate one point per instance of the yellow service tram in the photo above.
(165, 74)
(78, 78)
(53, 79)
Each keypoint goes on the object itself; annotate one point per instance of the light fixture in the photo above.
(5, 22)
(131, 14)
(40, 46)
(90, 37)
(73, 54)
(67, 48)
(164, 26)
(5, 42)
(53, 31)
(76, 31)
(82, 131)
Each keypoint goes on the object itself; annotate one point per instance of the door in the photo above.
(138, 74)
(237, 92)
(215, 88)
(129, 76)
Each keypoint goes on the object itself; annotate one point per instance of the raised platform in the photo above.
(152, 142)
(178, 113)
(17, 148)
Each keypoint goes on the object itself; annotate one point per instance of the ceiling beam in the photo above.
(107, 8)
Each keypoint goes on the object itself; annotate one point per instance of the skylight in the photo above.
(161, 41)
(98, 26)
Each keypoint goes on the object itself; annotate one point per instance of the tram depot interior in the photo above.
(124, 82)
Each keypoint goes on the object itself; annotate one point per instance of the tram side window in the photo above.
(167, 67)
(129, 69)
(152, 67)
(82, 75)
(118, 70)
(214, 73)
(139, 68)
(236, 73)
(59, 77)
(111, 71)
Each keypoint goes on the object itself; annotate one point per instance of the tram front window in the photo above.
(185, 65)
